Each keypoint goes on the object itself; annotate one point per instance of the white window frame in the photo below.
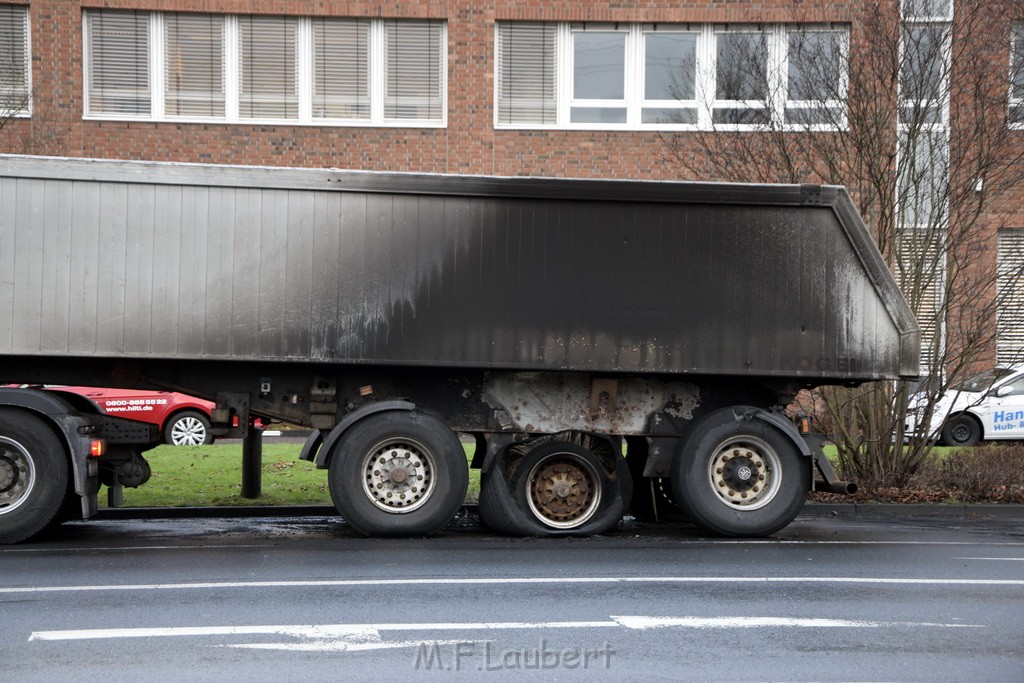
(704, 100)
(304, 56)
(27, 28)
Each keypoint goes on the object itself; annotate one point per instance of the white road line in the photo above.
(371, 633)
(1004, 559)
(114, 549)
(540, 580)
(677, 542)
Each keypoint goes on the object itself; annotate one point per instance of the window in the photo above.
(341, 69)
(268, 68)
(1010, 297)
(1016, 115)
(299, 70)
(14, 61)
(118, 75)
(413, 74)
(669, 76)
(525, 79)
(924, 74)
(194, 65)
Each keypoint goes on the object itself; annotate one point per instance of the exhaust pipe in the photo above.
(847, 488)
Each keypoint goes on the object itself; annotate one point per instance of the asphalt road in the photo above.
(302, 598)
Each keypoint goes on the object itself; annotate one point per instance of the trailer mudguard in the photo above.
(320, 454)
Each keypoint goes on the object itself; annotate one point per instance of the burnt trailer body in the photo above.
(525, 311)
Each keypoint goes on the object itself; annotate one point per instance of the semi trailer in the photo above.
(605, 345)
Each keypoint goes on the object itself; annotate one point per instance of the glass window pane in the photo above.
(269, 84)
(118, 79)
(740, 115)
(194, 65)
(13, 60)
(670, 66)
(922, 68)
(341, 69)
(816, 68)
(597, 115)
(922, 173)
(741, 66)
(669, 116)
(1018, 60)
(599, 65)
(823, 116)
(413, 70)
(926, 9)
(526, 68)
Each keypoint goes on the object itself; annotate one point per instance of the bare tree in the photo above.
(912, 116)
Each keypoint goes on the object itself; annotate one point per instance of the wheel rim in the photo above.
(398, 475)
(961, 431)
(17, 475)
(745, 473)
(188, 431)
(564, 490)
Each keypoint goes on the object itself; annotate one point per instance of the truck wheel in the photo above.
(738, 476)
(188, 428)
(962, 430)
(33, 476)
(558, 488)
(398, 474)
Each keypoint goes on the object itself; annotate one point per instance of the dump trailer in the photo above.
(606, 345)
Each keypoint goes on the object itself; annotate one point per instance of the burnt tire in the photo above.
(511, 496)
(962, 431)
(33, 476)
(188, 428)
(398, 473)
(737, 475)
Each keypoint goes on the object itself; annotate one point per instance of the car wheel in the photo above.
(962, 430)
(188, 428)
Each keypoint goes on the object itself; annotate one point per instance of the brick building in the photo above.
(577, 88)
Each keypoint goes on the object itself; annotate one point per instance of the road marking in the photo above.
(1003, 559)
(110, 549)
(351, 636)
(539, 580)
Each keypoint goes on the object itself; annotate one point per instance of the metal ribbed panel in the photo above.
(147, 266)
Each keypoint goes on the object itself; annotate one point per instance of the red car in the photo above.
(184, 420)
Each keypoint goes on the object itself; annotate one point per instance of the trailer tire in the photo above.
(508, 504)
(768, 478)
(398, 473)
(33, 476)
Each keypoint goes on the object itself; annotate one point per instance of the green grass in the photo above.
(212, 475)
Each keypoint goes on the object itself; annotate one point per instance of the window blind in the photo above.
(341, 69)
(14, 60)
(194, 65)
(526, 73)
(268, 68)
(413, 60)
(118, 79)
(1010, 293)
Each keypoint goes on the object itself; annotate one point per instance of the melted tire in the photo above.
(713, 436)
(431, 439)
(504, 506)
(25, 439)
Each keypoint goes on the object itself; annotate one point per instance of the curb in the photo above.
(810, 510)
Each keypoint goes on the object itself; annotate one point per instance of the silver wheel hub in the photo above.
(398, 475)
(188, 431)
(745, 473)
(17, 475)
